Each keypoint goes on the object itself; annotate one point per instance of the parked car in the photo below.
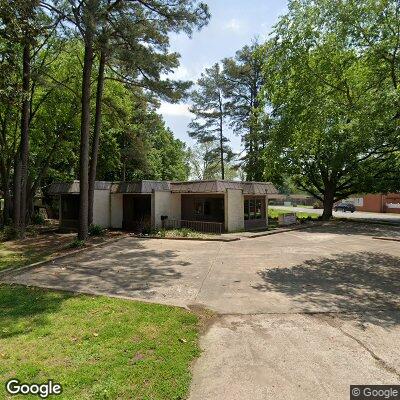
(345, 207)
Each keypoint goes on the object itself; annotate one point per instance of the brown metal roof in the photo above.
(73, 187)
(221, 186)
(211, 186)
(140, 187)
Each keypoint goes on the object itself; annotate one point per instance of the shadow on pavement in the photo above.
(357, 228)
(350, 282)
(117, 269)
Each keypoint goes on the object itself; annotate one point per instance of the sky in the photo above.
(233, 24)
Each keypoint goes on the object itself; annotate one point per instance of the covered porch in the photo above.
(203, 212)
(136, 216)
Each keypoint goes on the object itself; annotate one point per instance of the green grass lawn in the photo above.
(275, 212)
(182, 233)
(35, 248)
(12, 258)
(95, 347)
(40, 247)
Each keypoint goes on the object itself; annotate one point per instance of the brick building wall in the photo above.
(379, 203)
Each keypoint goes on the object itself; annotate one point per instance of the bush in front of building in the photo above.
(37, 219)
(8, 233)
(96, 230)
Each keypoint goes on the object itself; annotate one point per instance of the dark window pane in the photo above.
(258, 209)
(246, 210)
(70, 206)
(252, 208)
(207, 208)
(199, 208)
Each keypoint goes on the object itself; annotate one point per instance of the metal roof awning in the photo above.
(140, 187)
(216, 186)
(73, 187)
(147, 186)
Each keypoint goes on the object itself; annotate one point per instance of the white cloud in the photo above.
(233, 25)
(181, 73)
(176, 110)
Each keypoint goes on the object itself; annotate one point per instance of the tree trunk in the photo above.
(17, 193)
(24, 146)
(5, 178)
(96, 135)
(249, 162)
(85, 130)
(221, 138)
(6, 209)
(329, 197)
(222, 156)
(21, 160)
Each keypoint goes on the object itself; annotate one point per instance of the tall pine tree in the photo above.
(243, 81)
(209, 108)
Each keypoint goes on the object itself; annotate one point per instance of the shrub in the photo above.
(317, 204)
(185, 232)
(9, 233)
(76, 244)
(160, 232)
(96, 230)
(37, 219)
(146, 230)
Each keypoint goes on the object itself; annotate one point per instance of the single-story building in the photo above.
(379, 202)
(209, 206)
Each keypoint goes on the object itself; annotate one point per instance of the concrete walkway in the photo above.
(301, 315)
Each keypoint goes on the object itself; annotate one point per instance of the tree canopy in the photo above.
(331, 80)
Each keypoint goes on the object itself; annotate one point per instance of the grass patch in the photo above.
(181, 233)
(96, 347)
(35, 248)
(38, 247)
(276, 212)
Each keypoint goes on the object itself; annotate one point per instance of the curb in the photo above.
(9, 271)
(189, 238)
(367, 221)
(277, 231)
(392, 239)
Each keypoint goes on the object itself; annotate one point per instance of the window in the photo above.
(253, 208)
(202, 208)
(246, 209)
(258, 209)
(199, 208)
(207, 208)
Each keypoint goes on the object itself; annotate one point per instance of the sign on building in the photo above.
(287, 219)
(357, 201)
(393, 205)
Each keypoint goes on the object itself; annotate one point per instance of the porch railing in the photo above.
(199, 226)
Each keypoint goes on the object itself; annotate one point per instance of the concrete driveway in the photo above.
(301, 314)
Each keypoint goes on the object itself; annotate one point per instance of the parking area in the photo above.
(302, 314)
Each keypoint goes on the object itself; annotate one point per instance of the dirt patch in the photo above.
(206, 317)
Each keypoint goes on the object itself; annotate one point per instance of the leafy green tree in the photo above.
(54, 121)
(243, 81)
(133, 43)
(135, 142)
(24, 27)
(208, 106)
(124, 21)
(334, 100)
(10, 96)
(204, 164)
